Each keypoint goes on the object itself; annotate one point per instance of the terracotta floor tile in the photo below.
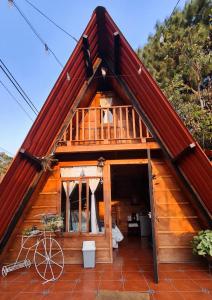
(204, 284)
(27, 296)
(168, 296)
(174, 275)
(71, 276)
(8, 295)
(133, 276)
(92, 275)
(87, 285)
(163, 285)
(199, 274)
(87, 295)
(185, 285)
(14, 286)
(111, 285)
(196, 296)
(73, 268)
(57, 296)
(65, 286)
(110, 275)
(140, 285)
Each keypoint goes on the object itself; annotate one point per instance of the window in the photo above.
(82, 202)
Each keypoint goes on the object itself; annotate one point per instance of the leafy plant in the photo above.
(202, 243)
(52, 222)
(30, 230)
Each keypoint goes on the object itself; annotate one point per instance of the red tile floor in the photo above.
(131, 271)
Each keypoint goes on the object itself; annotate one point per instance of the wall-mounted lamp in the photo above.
(104, 72)
(100, 166)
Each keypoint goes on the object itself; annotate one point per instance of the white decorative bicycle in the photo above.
(48, 256)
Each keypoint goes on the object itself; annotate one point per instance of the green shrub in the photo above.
(202, 243)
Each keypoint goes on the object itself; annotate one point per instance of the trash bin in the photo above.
(89, 249)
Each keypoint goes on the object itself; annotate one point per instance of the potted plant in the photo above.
(53, 223)
(202, 244)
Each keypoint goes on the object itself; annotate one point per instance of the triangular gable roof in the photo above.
(133, 77)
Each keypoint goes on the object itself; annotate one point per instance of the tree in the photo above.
(5, 161)
(178, 56)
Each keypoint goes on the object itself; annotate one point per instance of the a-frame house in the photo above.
(118, 142)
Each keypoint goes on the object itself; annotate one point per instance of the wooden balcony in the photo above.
(101, 126)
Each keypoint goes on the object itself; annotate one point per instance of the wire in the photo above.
(30, 101)
(175, 8)
(50, 20)
(37, 34)
(6, 151)
(16, 100)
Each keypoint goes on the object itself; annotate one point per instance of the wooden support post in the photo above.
(87, 56)
(80, 205)
(114, 123)
(121, 122)
(95, 124)
(83, 124)
(89, 124)
(127, 122)
(133, 121)
(87, 205)
(67, 206)
(77, 125)
(151, 197)
(116, 37)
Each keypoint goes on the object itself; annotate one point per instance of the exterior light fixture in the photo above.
(103, 71)
(100, 166)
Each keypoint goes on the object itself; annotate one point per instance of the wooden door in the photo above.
(153, 219)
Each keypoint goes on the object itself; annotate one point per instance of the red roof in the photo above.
(158, 112)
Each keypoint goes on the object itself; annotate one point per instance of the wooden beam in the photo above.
(152, 206)
(106, 147)
(116, 38)
(183, 153)
(87, 56)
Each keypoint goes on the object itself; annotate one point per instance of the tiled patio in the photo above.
(131, 271)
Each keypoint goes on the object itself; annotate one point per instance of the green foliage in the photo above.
(52, 222)
(178, 56)
(202, 243)
(5, 161)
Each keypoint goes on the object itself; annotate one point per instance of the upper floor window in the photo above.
(82, 202)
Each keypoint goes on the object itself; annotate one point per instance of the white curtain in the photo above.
(93, 184)
(87, 171)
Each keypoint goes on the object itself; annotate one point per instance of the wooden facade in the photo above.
(176, 221)
(152, 165)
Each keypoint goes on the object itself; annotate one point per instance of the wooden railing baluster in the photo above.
(114, 123)
(133, 123)
(127, 122)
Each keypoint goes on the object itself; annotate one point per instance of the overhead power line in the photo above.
(16, 82)
(16, 100)
(19, 89)
(47, 48)
(5, 150)
(50, 20)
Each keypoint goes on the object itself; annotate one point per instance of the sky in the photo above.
(36, 70)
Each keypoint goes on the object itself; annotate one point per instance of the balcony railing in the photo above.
(102, 125)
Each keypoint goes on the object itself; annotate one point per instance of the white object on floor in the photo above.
(117, 236)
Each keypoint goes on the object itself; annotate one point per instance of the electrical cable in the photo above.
(16, 100)
(28, 103)
(19, 85)
(37, 34)
(50, 20)
(6, 151)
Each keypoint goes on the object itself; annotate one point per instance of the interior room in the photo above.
(130, 205)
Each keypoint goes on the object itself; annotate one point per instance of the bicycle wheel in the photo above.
(49, 259)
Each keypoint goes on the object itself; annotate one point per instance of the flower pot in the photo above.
(58, 233)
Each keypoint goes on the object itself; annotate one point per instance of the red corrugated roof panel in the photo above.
(160, 115)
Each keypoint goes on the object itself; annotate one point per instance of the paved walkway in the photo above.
(131, 271)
